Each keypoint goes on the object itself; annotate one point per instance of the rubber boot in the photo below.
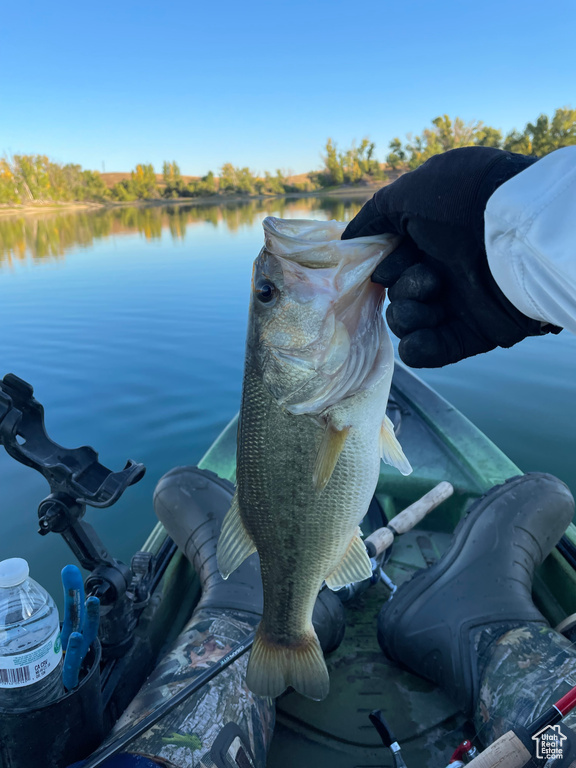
(441, 623)
(191, 504)
(523, 673)
(223, 719)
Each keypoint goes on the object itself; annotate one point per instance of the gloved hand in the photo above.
(444, 303)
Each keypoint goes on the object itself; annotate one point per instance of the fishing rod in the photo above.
(108, 750)
(379, 541)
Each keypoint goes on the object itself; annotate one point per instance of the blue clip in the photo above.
(72, 661)
(91, 624)
(73, 603)
(80, 625)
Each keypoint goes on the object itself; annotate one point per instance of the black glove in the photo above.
(444, 303)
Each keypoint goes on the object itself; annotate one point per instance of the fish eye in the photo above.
(266, 292)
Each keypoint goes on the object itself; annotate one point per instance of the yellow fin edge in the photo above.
(354, 566)
(329, 451)
(390, 449)
(234, 544)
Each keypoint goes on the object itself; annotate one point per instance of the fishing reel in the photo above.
(77, 479)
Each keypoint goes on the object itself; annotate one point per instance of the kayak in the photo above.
(442, 445)
(193, 623)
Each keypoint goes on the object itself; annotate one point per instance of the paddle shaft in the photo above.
(108, 750)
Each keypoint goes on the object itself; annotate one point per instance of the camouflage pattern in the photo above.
(223, 725)
(527, 670)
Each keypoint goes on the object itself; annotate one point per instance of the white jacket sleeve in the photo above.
(530, 230)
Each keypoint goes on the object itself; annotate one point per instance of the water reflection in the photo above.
(50, 235)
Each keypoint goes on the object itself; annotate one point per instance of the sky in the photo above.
(264, 84)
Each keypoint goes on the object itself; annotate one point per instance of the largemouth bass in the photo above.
(312, 430)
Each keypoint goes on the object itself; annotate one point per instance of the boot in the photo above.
(443, 622)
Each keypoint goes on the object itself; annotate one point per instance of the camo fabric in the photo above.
(223, 725)
(527, 670)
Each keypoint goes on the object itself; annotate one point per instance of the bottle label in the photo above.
(31, 667)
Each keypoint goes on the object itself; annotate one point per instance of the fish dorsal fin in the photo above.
(354, 566)
(390, 449)
(329, 451)
(234, 544)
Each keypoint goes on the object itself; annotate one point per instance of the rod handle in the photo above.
(382, 538)
(506, 752)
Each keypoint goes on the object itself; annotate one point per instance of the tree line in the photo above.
(538, 138)
(36, 178)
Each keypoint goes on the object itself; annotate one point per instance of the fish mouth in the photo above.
(309, 243)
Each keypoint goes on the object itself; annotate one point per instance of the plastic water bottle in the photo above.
(30, 648)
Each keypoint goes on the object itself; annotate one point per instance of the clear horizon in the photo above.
(264, 86)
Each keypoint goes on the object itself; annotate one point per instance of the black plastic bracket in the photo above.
(76, 478)
(75, 472)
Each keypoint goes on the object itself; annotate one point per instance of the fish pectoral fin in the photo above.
(354, 566)
(390, 449)
(329, 451)
(234, 544)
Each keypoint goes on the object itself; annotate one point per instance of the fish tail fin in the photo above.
(272, 667)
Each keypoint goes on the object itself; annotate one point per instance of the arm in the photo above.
(445, 302)
(530, 234)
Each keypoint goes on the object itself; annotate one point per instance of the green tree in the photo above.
(209, 183)
(91, 186)
(397, 157)
(227, 178)
(171, 174)
(123, 191)
(31, 176)
(544, 135)
(540, 136)
(563, 128)
(444, 135)
(518, 142)
(245, 181)
(8, 188)
(140, 186)
(333, 164)
(488, 137)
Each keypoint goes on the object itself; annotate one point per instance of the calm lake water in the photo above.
(130, 325)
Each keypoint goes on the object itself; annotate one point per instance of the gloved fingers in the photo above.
(368, 221)
(406, 316)
(419, 282)
(396, 263)
(445, 344)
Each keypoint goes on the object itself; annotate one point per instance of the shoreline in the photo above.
(65, 207)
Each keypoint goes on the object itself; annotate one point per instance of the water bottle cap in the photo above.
(13, 571)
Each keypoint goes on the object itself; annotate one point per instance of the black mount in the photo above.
(76, 478)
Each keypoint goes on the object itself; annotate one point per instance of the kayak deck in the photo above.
(337, 731)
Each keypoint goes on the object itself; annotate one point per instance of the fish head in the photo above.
(316, 327)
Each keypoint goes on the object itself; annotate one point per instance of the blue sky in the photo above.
(263, 84)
